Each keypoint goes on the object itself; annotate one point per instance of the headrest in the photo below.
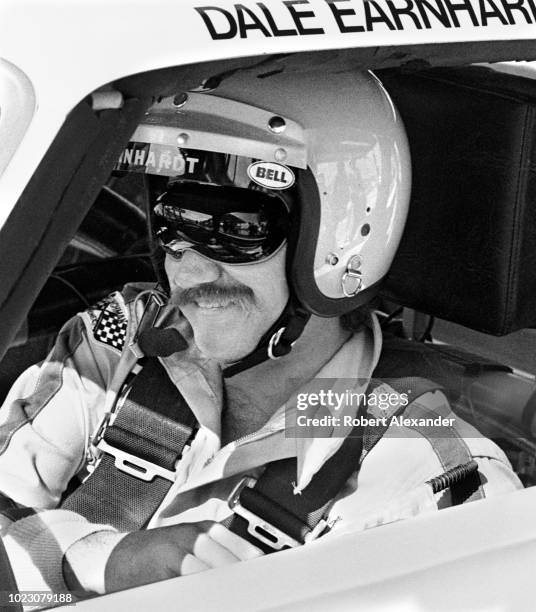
(468, 253)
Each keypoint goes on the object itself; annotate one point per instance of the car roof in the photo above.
(69, 48)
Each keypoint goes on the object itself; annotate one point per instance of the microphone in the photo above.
(156, 342)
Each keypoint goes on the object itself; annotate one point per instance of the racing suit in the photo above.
(53, 408)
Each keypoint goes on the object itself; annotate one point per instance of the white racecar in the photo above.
(76, 77)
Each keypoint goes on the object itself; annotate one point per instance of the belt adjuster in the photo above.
(260, 528)
(135, 466)
(125, 462)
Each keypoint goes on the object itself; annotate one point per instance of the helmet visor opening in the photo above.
(228, 224)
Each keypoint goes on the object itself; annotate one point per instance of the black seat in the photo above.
(468, 252)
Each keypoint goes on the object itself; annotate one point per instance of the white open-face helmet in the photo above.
(318, 160)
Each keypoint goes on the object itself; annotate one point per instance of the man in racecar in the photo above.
(277, 206)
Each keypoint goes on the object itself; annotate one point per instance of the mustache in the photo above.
(240, 294)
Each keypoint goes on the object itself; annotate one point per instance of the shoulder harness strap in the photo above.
(138, 451)
(152, 426)
(271, 516)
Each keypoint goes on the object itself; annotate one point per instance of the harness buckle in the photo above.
(261, 529)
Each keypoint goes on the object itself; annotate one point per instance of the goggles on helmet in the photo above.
(212, 204)
(228, 224)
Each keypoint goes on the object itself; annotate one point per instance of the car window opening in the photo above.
(455, 307)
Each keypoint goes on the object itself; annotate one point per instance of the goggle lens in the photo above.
(228, 224)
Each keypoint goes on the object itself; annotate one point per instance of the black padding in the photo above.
(468, 253)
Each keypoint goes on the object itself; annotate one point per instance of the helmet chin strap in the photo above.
(277, 341)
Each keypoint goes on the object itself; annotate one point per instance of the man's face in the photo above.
(229, 307)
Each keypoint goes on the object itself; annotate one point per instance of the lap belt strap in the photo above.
(139, 449)
(147, 436)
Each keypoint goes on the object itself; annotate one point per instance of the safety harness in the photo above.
(152, 425)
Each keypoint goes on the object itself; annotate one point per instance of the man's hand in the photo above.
(150, 555)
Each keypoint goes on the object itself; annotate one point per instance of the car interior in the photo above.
(459, 299)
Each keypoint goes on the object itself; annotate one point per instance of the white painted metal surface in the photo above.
(474, 557)
(68, 48)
